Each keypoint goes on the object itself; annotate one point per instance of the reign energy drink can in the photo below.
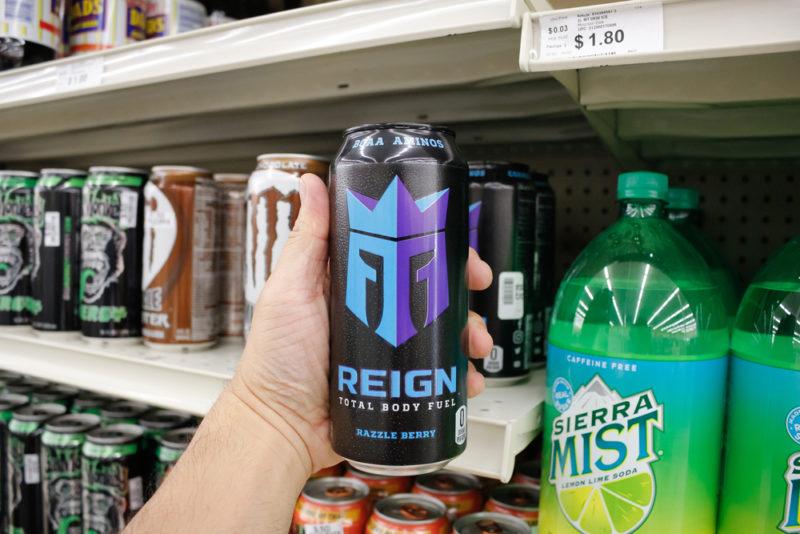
(16, 246)
(171, 447)
(111, 254)
(181, 293)
(24, 490)
(398, 298)
(502, 197)
(62, 441)
(273, 203)
(8, 403)
(543, 284)
(57, 250)
(112, 478)
(233, 217)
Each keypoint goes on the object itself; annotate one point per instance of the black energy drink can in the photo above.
(156, 423)
(112, 481)
(24, 496)
(90, 402)
(57, 250)
(8, 403)
(16, 246)
(398, 298)
(55, 393)
(543, 286)
(112, 227)
(501, 209)
(123, 412)
(62, 442)
(171, 447)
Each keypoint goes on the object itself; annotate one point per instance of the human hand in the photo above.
(283, 374)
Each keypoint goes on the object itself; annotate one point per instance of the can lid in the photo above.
(178, 438)
(116, 170)
(37, 413)
(490, 523)
(400, 126)
(62, 172)
(683, 198)
(290, 155)
(26, 385)
(8, 376)
(335, 490)
(371, 476)
(72, 423)
(54, 392)
(18, 174)
(11, 401)
(642, 185)
(115, 434)
(448, 482)
(123, 408)
(411, 508)
(231, 178)
(179, 168)
(163, 419)
(517, 496)
(499, 169)
(90, 399)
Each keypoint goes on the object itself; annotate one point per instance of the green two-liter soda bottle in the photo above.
(761, 488)
(683, 210)
(636, 377)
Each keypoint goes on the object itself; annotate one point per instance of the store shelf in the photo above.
(502, 421)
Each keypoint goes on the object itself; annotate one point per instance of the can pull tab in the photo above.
(414, 512)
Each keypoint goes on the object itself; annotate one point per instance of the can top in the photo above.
(517, 496)
(72, 423)
(400, 126)
(54, 392)
(90, 399)
(371, 476)
(116, 170)
(123, 408)
(163, 419)
(448, 482)
(179, 169)
(335, 490)
(490, 523)
(37, 413)
(409, 508)
(498, 170)
(290, 155)
(8, 376)
(26, 385)
(18, 174)
(115, 434)
(63, 172)
(231, 178)
(178, 438)
(12, 401)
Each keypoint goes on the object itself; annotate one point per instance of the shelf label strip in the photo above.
(80, 75)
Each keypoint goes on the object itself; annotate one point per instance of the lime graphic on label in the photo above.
(600, 464)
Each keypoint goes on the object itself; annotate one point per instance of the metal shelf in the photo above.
(502, 421)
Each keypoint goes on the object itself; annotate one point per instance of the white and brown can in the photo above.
(273, 203)
(232, 217)
(181, 294)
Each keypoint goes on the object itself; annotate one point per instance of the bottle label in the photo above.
(629, 441)
(761, 488)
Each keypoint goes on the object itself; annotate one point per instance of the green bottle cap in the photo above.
(683, 198)
(642, 185)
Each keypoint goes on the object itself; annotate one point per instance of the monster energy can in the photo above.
(171, 447)
(113, 468)
(111, 254)
(16, 246)
(24, 496)
(55, 393)
(26, 386)
(123, 412)
(542, 287)
(62, 440)
(398, 298)
(8, 403)
(57, 250)
(156, 423)
(90, 402)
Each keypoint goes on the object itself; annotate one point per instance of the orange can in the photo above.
(380, 486)
(519, 500)
(528, 473)
(490, 523)
(408, 512)
(332, 504)
(460, 493)
(330, 471)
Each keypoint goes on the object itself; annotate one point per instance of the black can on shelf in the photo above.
(8, 403)
(123, 412)
(30, 32)
(543, 283)
(156, 423)
(62, 441)
(57, 250)
(398, 298)
(55, 393)
(24, 497)
(171, 447)
(112, 226)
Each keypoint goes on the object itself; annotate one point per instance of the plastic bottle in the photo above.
(761, 488)
(636, 376)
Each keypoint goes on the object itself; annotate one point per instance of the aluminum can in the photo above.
(99, 25)
(56, 250)
(490, 523)
(171, 447)
(26, 386)
(329, 503)
(380, 486)
(502, 197)
(273, 203)
(528, 473)
(8, 403)
(330, 471)
(16, 246)
(30, 32)
(62, 441)
(171, 17)
(156, 423)
(233, 217)
(90, 402)
(123, 412)
(179, 276)
(543, 281)
(461, 493)
(398, 248)
(519, 500)
(24, 503)
(407, 512)
(55, 393)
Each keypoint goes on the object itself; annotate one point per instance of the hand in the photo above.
(283, 375)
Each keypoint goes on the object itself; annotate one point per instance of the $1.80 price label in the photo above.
(602, 31)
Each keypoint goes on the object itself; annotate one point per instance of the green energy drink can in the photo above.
(156, 423)
(16, 246)
(123, 412)
(55, 393)
(8, 403)
(90, 402)
(111, 254)
(171, 446)
(24, 489)
(113, 470)
(26, 386)
(62, 440)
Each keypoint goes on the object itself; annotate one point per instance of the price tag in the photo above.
(80, 75)
(611, 30)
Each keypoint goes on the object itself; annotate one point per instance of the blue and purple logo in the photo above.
(474, 219)
(408, 236)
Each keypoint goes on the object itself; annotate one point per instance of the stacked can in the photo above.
(171, 447)
(56, 394)
(490, 523)
(156, 424)
(180, 293)
(380, 486)
(461, 493)
(542, 287)
(332, 502)
(407, 512)
(171, 17)
(26, 386)
(8, 403)
(90, 402)
(98, 25)
(273, 203)
(111, 254)
(123, 412)
(57, 250)
(519, 500)
(30, 32)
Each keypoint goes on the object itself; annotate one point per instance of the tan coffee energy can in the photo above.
(273, 202)
(232, 216)
(181, 292)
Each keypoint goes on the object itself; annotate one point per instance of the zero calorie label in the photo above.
(609, 30)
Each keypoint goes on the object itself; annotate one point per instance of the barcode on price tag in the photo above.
(80, 74)
(129, 202)
(616, 30)
(511, 297)
(326, 528)
(52, 229)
